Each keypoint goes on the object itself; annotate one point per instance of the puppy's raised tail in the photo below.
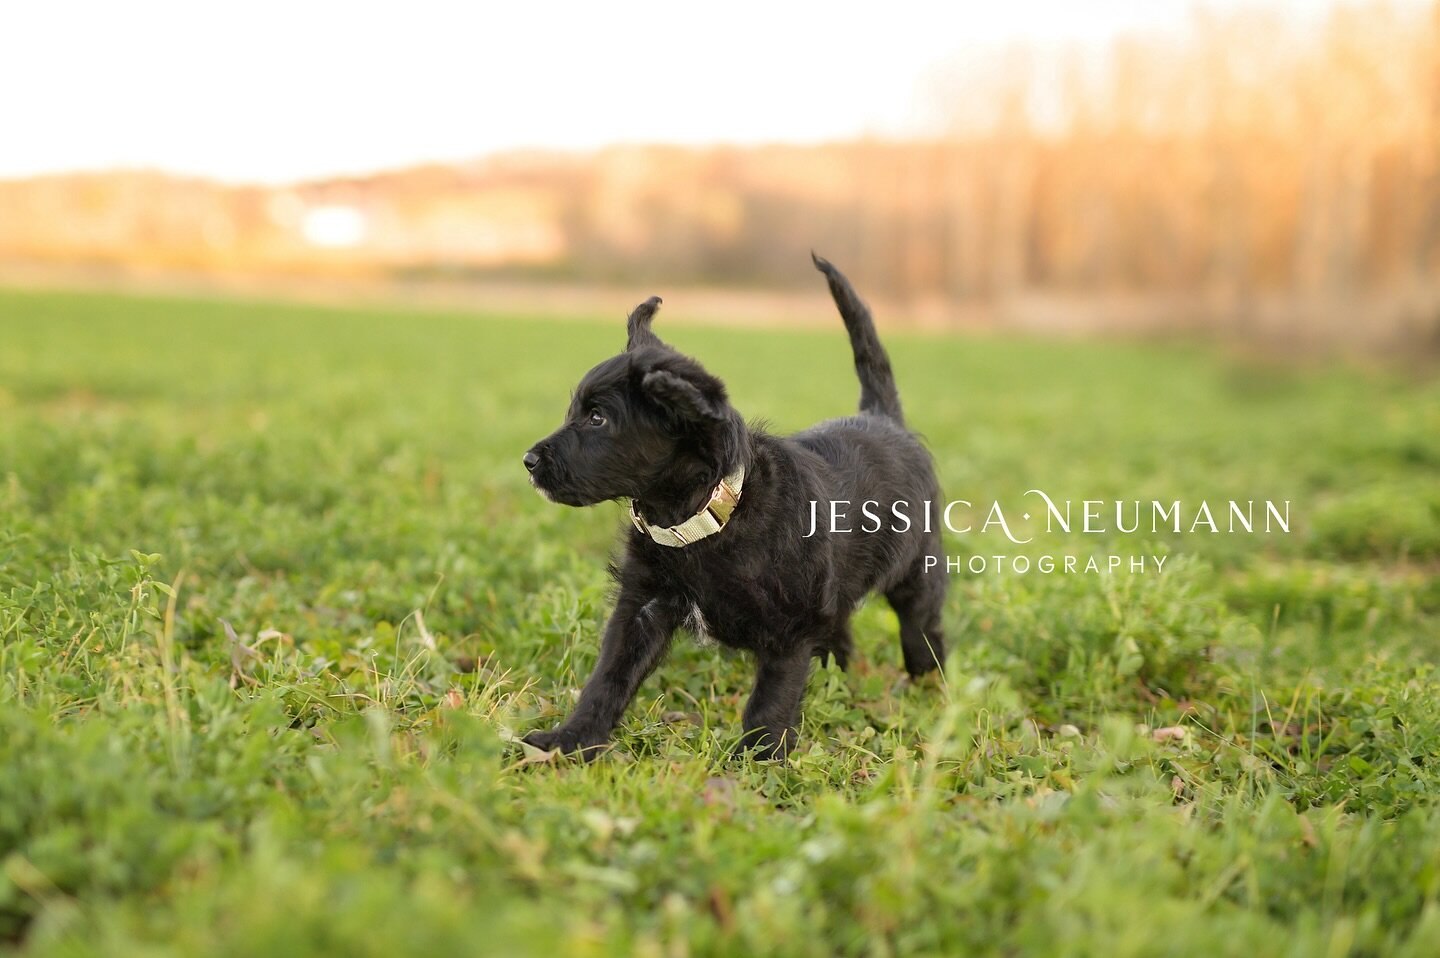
(878, 393)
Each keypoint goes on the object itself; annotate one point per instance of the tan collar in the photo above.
(706, 522)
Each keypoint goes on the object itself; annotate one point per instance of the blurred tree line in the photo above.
(1255, 171)
(1245, 159)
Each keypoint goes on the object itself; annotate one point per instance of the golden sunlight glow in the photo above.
(278, 91)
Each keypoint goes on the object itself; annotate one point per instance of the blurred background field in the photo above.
(1265, 172)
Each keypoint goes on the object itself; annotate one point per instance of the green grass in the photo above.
(343, 488)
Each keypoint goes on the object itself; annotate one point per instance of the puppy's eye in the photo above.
(595, 418)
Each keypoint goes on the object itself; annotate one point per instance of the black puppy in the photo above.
(721, 542)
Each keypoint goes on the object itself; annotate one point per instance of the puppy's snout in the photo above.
(531, 460)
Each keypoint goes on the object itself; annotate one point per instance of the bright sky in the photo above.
(278, 91)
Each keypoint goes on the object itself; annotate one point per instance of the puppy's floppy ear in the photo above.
(638, 324)
(697, 402)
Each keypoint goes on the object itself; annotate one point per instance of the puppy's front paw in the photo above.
(765, 745)
(567, 741)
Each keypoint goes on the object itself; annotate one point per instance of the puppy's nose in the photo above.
(531, 460)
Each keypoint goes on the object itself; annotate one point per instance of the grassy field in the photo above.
(275, 599)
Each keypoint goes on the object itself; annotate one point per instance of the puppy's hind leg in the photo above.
(837, 646)
(919, 601)
(773, 712)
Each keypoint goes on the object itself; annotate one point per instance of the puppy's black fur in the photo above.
(653, 426)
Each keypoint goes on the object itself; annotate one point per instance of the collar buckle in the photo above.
(708, 521)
